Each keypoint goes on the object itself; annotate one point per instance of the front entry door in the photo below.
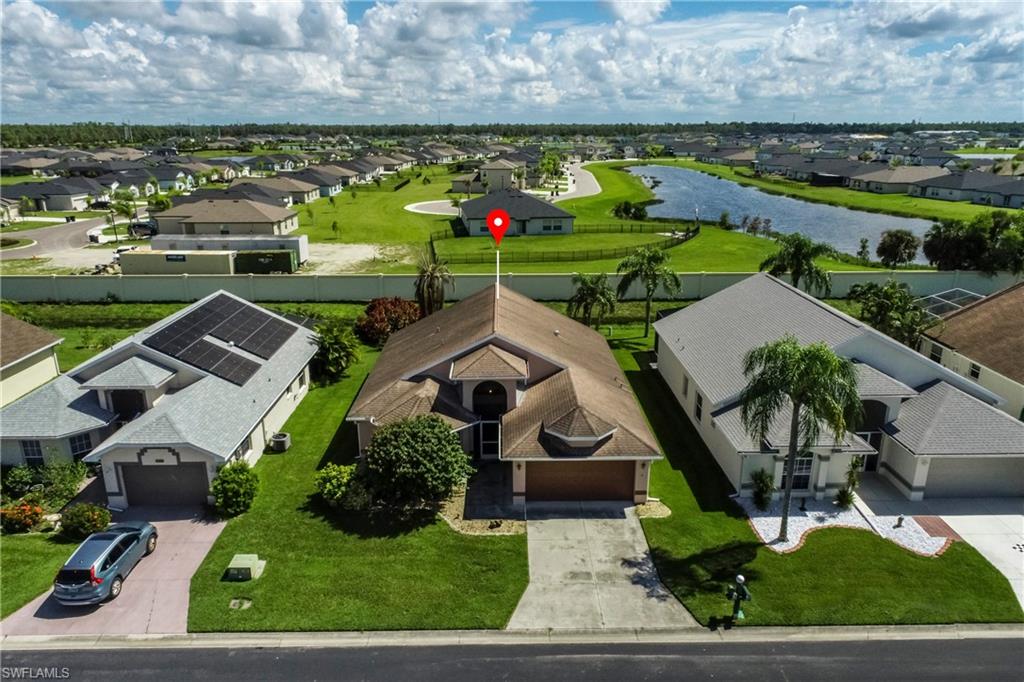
(490, 439)
(874, 439)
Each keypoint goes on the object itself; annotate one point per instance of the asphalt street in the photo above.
(977, 659)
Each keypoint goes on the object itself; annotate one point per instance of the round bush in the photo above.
(332, 481)
(82, 520)
(19, 480)
(234, 488)
(414, 461)
(20, 517)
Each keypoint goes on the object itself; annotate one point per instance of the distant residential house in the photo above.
(958, 186)
(30, 165)
(63, 194)
(139, 182)
(387, 164)
(984, 341)
(1009, 194)
(226, 216)
(241, 190)
(493, 176)
(896, 180)
(930, 157)
(528, 214)
(173, 178)
(329, 184)
(28, 358)
(346, 176)
(301, 192)
(729, 156)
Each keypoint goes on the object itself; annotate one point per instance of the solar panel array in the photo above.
(231, 321)
(945, 302)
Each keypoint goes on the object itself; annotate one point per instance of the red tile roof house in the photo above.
(522, 384)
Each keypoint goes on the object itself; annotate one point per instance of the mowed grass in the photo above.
(893, 204)
(28, 563)
(8, 180)
(332, 570)
(839, 577)
(373, 216)
(29, 224)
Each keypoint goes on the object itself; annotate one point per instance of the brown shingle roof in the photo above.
(230, 211)
(489, 362)
(591, 379)
(19, 339)
(989, 332)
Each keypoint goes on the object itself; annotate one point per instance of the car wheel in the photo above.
(115, 588)
(150, 544)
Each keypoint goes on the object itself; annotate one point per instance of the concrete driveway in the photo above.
(992, 525)
(155, 594)
(590, 567)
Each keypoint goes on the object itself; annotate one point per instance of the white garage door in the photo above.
(975, 477)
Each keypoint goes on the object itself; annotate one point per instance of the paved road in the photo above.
(986, 659)
(583, 184)
(590, 567)
(61, 238)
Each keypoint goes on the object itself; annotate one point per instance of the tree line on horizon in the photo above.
(110, 133)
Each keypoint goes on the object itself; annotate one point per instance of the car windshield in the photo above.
(73, 576)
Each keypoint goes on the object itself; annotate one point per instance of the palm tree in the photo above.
(125, 209)
(819, 386)
(432, 277)
(796, 255)
(647, 265)
(592, 299)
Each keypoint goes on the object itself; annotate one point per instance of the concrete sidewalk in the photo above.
(348, 640)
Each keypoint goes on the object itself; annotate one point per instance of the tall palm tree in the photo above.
(432, 277)
(818, 386)
(796, 255)
(647, 265)
(592, 299)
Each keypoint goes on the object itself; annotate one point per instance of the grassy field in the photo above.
(331, 570)
(839, 577)
(989, 150)
(8, 180)
(80, 215)
(29, 224)
(13, 243)
(32, 266)
(893, 204)
(372, 216)
(28, 564)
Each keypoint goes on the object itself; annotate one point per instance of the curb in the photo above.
(348, 640)
(31, 243)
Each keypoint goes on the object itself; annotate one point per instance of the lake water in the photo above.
(681, 190)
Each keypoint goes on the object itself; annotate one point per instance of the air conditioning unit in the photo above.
(280, 442)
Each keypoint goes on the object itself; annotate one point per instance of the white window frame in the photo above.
(81, 437)
(936, 353)
(804, 467)
(974, 371)
(35, 457)
(244, 447)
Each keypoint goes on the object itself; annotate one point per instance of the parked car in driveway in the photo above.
(98, 568)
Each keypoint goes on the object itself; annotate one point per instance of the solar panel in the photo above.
(235, 368)
(268, 339)
(203, 355)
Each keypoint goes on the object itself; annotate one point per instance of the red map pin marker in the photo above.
(498, 222)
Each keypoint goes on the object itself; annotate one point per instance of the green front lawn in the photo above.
(7, 180)
(839, 577)
(328, 570)
(28, 563)
(29, 224)
(989, 150)
(894, 204)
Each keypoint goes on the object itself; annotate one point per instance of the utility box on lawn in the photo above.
(245, 567)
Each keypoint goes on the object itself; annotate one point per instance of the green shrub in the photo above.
(234, 488)
(357, 496)
(19, 480)
(415, 461)
(337, 348)
(61, 481)
(82, 520)
(20, 517)
(844, 498)
(333, 480)
(764, 485)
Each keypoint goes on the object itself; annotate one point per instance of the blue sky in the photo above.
(498, 60)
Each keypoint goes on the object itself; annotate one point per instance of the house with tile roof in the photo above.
(529, 214)
(225, 217)
(28, 357)
(984, 341)
(523, 386)
(164, 409)
(927, 429)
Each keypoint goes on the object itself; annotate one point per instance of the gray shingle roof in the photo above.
(944, 420)
(520, 206)
(712, 336)
(730, 422)
(134, 372)
(873, 383)
(54, 410)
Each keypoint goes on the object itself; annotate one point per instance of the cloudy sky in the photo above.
(465, 62)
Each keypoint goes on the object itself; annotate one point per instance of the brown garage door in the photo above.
(579, 481)
(182, 484)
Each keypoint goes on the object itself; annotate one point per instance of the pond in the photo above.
(682, 190)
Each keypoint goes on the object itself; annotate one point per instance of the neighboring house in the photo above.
(529, 215)
(956, 186)
(162, 410)
(896, 180)
(28, 358)
(63, 194)
(346, 176)
(984, 341)
(226, 216)
(492, 176)
(1005, 195)
(328, 184)
(928, 430)
(10, 210)
(522, 384)
(729, 156)
(300, 192)
(241, 190)
(172, 178)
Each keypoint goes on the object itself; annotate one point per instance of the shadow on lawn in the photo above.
(683, 447)
(375, 524)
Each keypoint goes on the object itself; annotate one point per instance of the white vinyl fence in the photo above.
(554, 287)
